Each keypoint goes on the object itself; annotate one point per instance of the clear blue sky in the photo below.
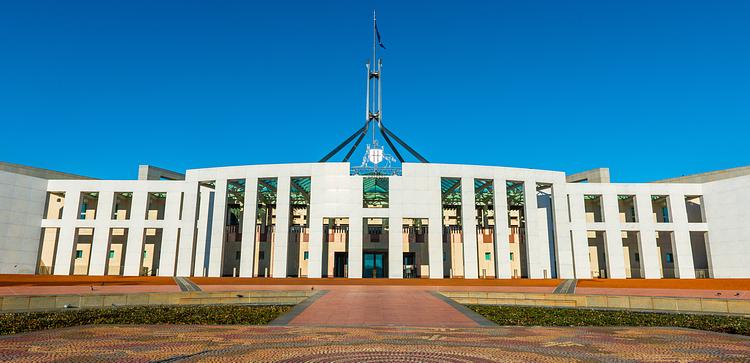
(650, 89)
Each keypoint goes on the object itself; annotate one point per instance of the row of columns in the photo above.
(210, 239)
(103, 224)
(200, 244)
(647, 227)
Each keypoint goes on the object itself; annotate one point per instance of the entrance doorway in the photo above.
(340, 261)
(410, 265)
(374, 264)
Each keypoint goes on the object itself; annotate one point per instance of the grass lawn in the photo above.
(543, 316)
(12, 323)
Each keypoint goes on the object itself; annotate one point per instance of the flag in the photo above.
(377, 32)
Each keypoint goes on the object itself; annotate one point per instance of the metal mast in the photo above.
(373, 108)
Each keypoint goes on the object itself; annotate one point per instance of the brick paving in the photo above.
(186, 343)
(374, 306)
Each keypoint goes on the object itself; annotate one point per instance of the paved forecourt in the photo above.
(193, 343)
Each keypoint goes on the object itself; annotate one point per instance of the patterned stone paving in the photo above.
(188, 343)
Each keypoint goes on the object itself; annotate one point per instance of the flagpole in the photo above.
(374, 39)
(374, 115)
(374, 65)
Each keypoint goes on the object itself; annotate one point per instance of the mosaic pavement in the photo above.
(186, 343)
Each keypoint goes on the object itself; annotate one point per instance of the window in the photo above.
(670, 258)
(54, 207)
(123, 202)
(487, 256)
(155, 206)
(237, 255)
(375, 192)
(261, 255)
(593, 207)
(660, 208)
(111, 254)
(307, 255)
(145, 253)
(626, 205)
(637, 257)
(87, 205)
(511, 256)
(79, 253)
(694, 207)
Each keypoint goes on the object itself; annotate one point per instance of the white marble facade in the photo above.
(192, 226)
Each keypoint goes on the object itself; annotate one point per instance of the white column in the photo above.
(282, 227)
(355, 246)
(648, 250)
(563, 244)
(469, 228)
(216, 249)
(66, 240)
(205, 220)
(315, 261)
(134, 247)
(395, 233)
(537, 250)
(502, 230)
(613, 236)
(395, 246)
(247, 249)
(168, 254)
(435, 247)
(187, 231)
(580, 236)
(99, 254)
(683, 252)
(435, 229)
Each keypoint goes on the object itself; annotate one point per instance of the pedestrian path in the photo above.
(185, 284)
(566, 287)
(383, 306)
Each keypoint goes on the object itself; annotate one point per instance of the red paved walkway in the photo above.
(85, 290)
(382, 305)
(50, 285)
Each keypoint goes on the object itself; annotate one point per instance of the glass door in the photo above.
(339, 264)
(373, 264)
(369, 265)
(379, 271)
(410, 265)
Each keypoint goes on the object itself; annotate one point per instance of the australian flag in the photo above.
(377, 32)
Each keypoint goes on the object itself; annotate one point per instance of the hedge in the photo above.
(546, 316)
(12, 323)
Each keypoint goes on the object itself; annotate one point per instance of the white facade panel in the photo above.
(728, 218)
(21, 206)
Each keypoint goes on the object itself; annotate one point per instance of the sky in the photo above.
(649, 89)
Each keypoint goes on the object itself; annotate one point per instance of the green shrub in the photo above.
(13, 323)
(544, 316)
